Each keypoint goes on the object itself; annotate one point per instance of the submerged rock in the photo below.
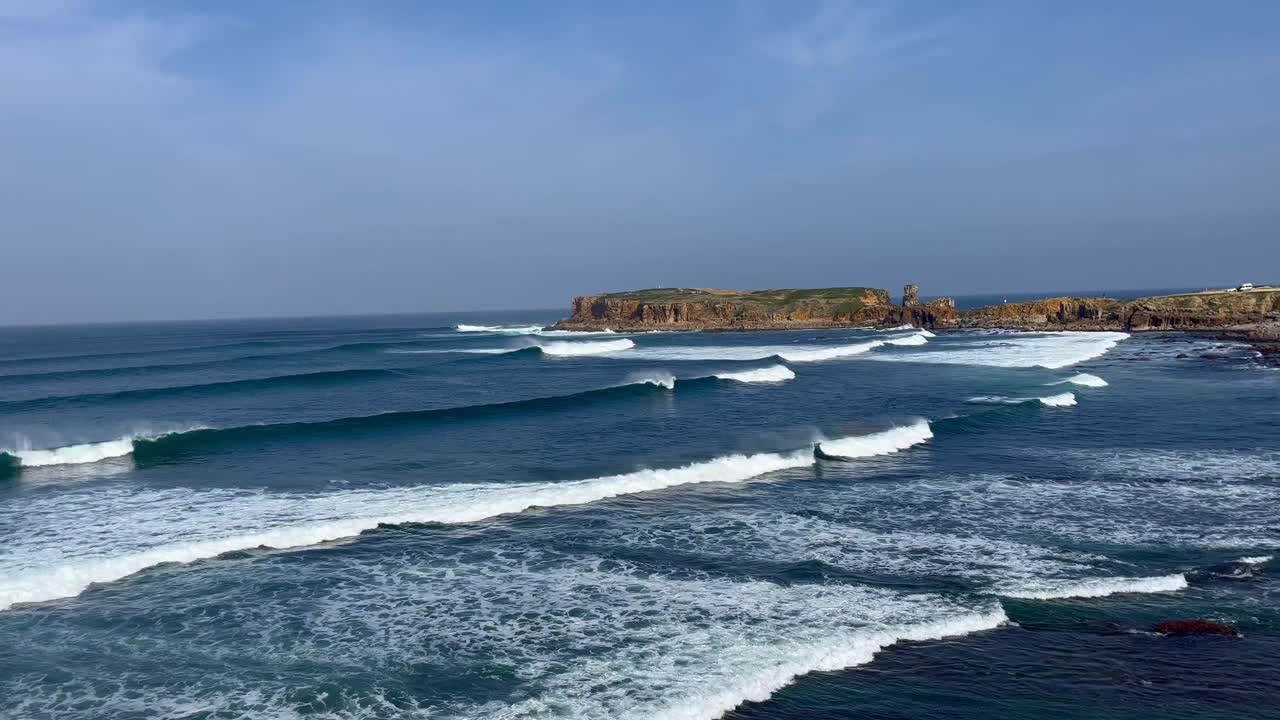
(1195, 627)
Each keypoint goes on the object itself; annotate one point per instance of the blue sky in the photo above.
(225, 159)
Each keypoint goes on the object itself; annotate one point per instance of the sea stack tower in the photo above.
(910, 295)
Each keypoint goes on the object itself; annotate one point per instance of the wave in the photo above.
(884, 442)
(1065, 399)
(771, 374)
(506, 329)
(572, 349)
(70, 454)
(321, 378)
(448, 505)
(657, 378)
(837, 652)
(529, 330)
(180, 524)
(1097, 587)
(788, 353)
(1050, 350)
(1256, 559)
(1082, 379)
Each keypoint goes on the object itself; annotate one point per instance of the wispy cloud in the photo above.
(840, 33)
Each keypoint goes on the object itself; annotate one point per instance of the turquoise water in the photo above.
(453, 516)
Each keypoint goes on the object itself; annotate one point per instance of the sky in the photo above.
(167, 159)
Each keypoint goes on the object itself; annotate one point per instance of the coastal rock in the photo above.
(705, 309)
(1195, 627)
(1252, 316)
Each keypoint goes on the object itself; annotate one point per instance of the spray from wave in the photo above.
(1082, 379)
(1065, 399)
(1095, 587)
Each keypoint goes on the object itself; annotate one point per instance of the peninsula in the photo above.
(1250, 315)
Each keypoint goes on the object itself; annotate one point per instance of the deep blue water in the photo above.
(388, 518)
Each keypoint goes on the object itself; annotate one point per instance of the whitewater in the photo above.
(470, 516)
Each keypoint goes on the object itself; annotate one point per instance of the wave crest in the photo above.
(881, 443)
(1065, 399)
(773, 373)
(1084, 380)
(596, 347)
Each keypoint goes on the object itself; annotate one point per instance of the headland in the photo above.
(1252, 315)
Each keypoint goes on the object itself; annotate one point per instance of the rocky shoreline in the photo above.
(1250, 316)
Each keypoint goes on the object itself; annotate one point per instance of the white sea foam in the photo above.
(139, 530)
(1256, 559)
(1060, 400)
(594, 637)
(771, 374)
(1094, 587)
(899, 328)
(916, 339)
(597, 347)
(1082, 379)
(881, 443)
(74, 454)
(1047, 350)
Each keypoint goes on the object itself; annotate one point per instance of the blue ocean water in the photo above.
(454, 516)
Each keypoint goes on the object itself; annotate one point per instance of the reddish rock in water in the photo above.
(1195, 627)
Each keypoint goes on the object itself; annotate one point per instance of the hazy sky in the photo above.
(171, 159)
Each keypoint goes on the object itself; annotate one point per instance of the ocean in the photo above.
(463, 516)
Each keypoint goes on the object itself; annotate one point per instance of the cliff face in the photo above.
(701, 309)
(1054, 313)
(1199, 311)
(1255, 313)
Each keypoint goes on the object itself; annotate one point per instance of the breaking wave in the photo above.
(504, 329)
(773, 373)
(1082, 379)
(1095, 587)
(788, 353)
(1048, 350)
(1065, 399)
(183, 525)
(68, 455)
(359, 511)
(528, 330)
(1256, 559)
(597, 347)
(881, 443)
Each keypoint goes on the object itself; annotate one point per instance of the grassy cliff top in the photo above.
(769, 297)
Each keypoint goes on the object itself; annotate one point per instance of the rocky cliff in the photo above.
(704, 309)
(1192, 311)
(1253, 315)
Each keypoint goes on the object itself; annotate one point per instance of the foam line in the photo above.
(1097, 587)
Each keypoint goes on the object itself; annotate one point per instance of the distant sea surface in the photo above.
(465, 516)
